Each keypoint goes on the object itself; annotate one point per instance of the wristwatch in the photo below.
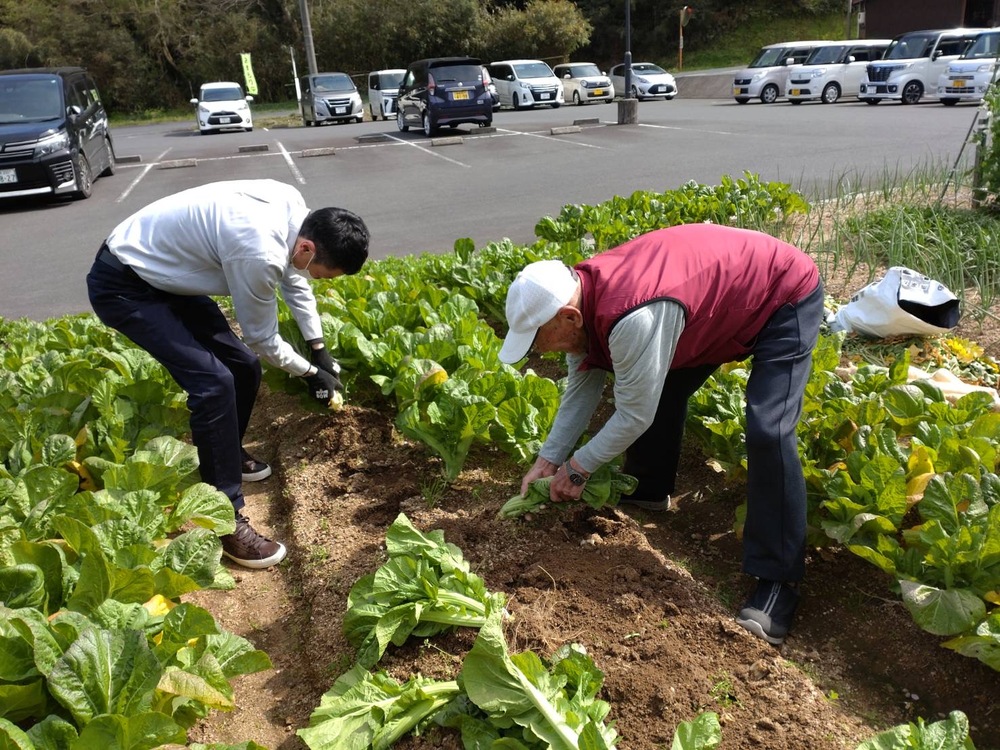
(575, 476)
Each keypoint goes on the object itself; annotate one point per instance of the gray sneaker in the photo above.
(254, 470)
(769, 611)
(248, 548)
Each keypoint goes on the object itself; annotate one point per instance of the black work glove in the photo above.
(321, 358)
(322, 386)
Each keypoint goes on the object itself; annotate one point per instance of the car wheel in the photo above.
(576, 98)
(912, 92)
(831, 93)
(84, 179)
(401, 121)
(360, 119)
(515, 102)
(371, 111)
(429, 127)
(635, 94)
(949, 102)
(742, 99)
(769, 94)
(249, 130)
(112, 166)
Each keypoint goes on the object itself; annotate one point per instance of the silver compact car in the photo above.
(584, 82)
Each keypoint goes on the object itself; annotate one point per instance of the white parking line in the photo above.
(142, 174)
(291, 165)
(548, 138)
(671, 127)
(427, 151)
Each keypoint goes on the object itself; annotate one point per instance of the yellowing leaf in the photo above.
(916, 486)
(919, 462)
(992, 596)
(336, 402)
(159, 605)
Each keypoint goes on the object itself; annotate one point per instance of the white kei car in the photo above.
(221, 105)
(649, 80)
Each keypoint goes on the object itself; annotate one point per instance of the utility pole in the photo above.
(628, 106)
(307, 37)
(847, 30)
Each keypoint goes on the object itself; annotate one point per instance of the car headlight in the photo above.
(818, 73)
(51, 144)
(756, 77)
(985, 68)
(640, 79)
(241, 106)
(203, 110)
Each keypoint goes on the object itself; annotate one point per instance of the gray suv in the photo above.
(443, 91)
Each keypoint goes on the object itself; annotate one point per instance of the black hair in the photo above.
(340, 236)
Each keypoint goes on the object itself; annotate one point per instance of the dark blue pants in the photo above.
(191, 338)
(775, 531)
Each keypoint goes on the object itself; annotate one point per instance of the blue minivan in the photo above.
(54, 135)
(443, 91)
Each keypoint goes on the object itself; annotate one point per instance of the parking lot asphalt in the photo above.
(420, 195)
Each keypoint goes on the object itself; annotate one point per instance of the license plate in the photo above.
(545, 96)
(456, 95)
(341, 110)
(737, 90)
(958, 83)
(224, 120)
(598, 92)
(8, 176)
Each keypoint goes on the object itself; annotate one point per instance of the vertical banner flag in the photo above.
(248, 74)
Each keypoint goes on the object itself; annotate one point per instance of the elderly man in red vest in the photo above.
(662, 312)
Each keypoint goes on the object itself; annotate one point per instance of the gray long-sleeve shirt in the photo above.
(228, 239)
(642, 346)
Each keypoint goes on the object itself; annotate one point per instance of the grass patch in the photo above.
(740, 46)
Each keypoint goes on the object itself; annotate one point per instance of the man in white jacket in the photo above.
(153, 279)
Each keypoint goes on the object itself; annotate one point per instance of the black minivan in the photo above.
(443, 91)
(54, 136)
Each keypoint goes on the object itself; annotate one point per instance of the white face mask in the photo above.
(303, 272)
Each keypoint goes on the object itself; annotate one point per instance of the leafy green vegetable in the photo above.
(364, 710)
(426, 587)
(948, 734)
(556, 707)
(603, 490)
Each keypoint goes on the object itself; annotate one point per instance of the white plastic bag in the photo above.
(901, 303)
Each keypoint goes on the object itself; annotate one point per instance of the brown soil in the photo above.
(651, 596)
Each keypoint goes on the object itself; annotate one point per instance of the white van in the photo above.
(831, 72)
(525, 83)
(383, 86)
(911, 66)
(766, 74)
(967, 79)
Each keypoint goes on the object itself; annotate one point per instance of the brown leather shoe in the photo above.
(248, 548)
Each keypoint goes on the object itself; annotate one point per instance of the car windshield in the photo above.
(648, 68)
(390, 80)
(827, 55)
(769, 58)
(579, 71)
(533, 70)
(334, 83)
(29, 100)
(228, 94)
(985, 46)
(457, 73)
(909, 46)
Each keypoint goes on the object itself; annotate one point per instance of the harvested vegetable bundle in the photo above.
(603, 490)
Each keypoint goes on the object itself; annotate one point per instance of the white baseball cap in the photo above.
(534, 298)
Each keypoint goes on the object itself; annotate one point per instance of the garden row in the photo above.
(104, 526)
